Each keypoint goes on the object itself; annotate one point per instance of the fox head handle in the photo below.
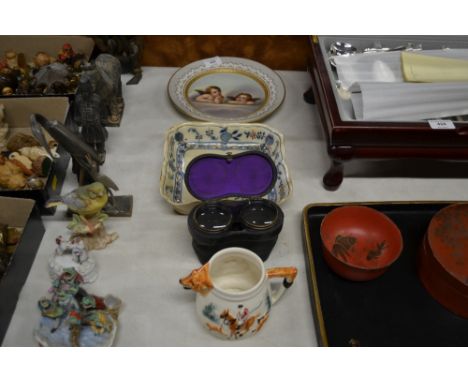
(198, 280)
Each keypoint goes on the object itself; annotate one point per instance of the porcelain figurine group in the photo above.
(45, 74)
(72, 253)
(24, 166)
(72, 317)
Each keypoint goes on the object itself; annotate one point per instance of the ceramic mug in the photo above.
(234, 295)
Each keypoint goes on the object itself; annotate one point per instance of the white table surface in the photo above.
(154, 249)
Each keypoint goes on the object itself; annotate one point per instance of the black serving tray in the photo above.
(393, 310)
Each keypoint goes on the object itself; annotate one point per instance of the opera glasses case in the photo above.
(244, 220)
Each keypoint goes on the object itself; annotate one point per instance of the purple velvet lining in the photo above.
(216, 177)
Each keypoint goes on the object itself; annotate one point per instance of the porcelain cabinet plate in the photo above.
(226, 89)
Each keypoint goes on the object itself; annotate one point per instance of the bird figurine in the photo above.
(85, 200)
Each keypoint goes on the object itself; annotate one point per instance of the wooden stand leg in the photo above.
(309, 96)
(334, 176)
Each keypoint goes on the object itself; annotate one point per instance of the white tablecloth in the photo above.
(154, 249)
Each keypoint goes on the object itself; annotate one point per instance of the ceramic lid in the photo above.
(448, 240)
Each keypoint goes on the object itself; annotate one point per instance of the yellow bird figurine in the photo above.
(85, 200)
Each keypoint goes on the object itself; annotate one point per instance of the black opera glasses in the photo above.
(252, 223)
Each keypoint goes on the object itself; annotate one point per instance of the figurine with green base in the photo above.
(73, 317)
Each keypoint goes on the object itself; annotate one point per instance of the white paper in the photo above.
(212, 62)
(379, 101)
(382, 66)
(441, 124)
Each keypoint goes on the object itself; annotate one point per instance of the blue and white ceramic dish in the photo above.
(186, 141)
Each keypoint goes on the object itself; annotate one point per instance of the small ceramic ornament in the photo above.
(12, 59)
(92, 231)
(21, 161)
(66, 54)
(86, 200)
(42, 59)
(88, 222)
(34, 152)
(70, 316)
(11, 176)
(72, 253)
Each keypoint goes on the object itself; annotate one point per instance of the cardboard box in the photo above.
(30, 45)
(17, 114)
(20, 213)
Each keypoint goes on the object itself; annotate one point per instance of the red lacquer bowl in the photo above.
(443, 259)
(360, 243)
